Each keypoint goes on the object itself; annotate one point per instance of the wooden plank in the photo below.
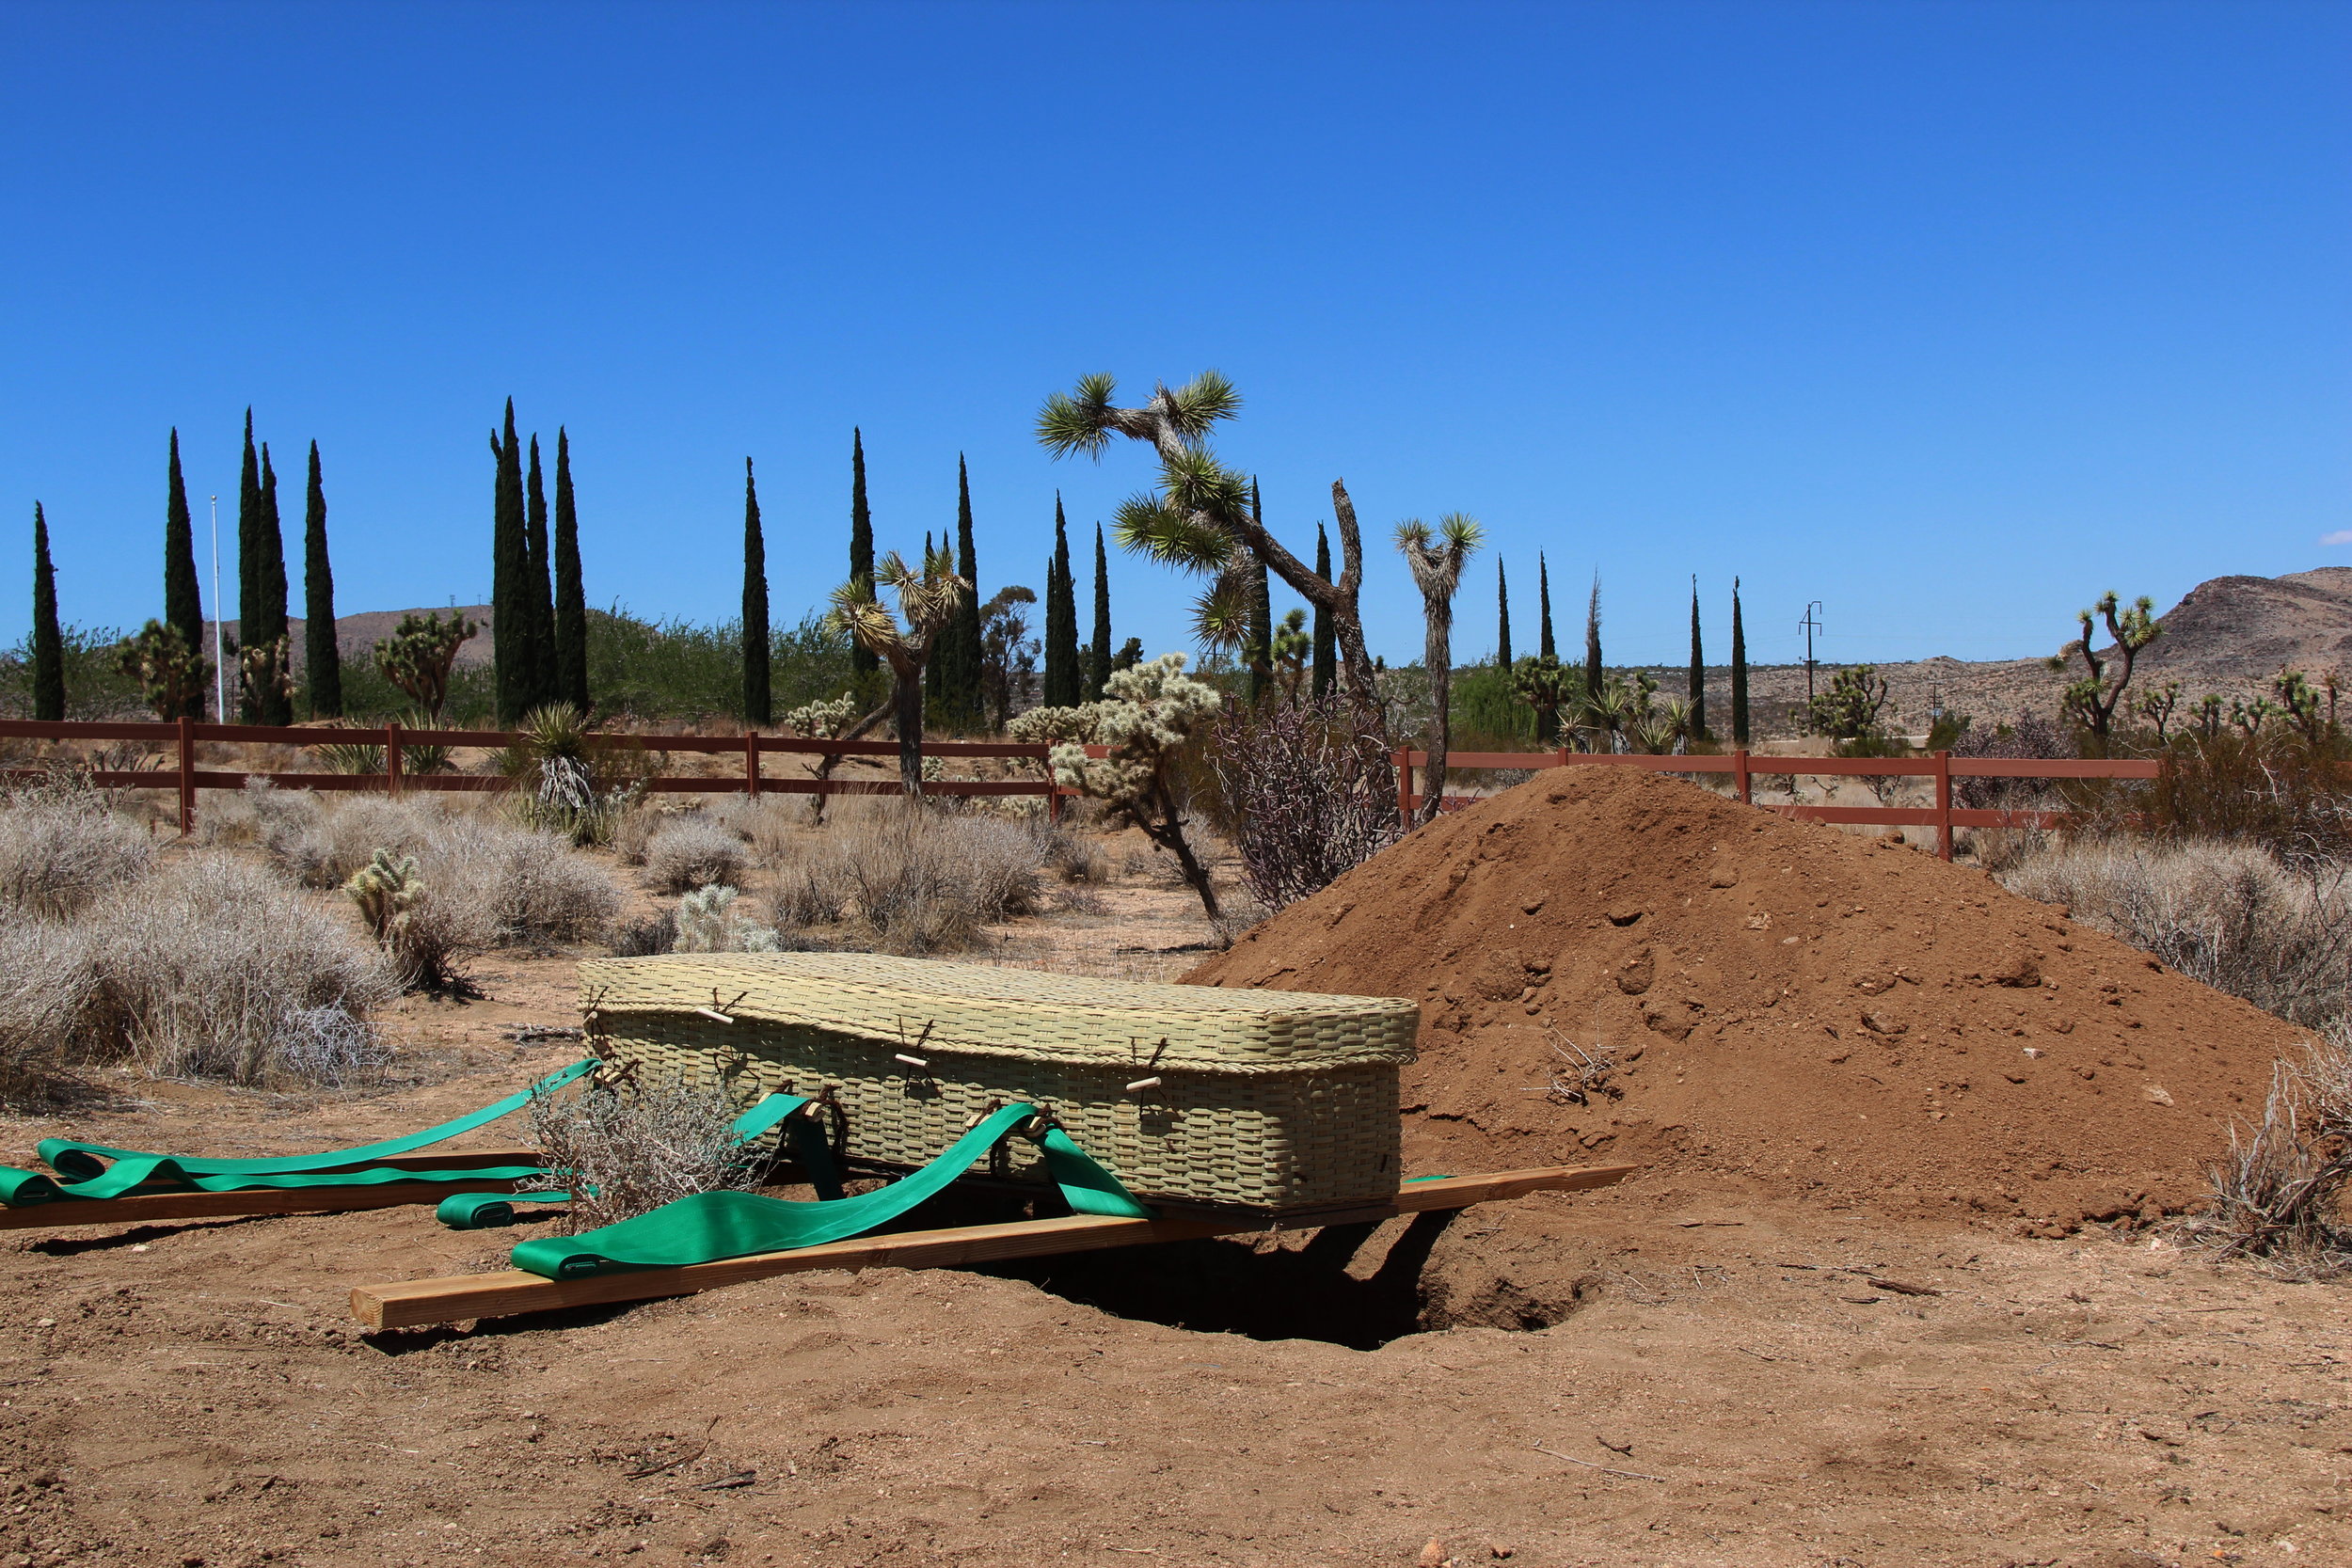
(413, 1303)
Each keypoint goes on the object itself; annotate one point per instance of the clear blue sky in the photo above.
(1950, 316)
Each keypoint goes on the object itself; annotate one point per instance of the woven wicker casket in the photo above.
(1260, 1098)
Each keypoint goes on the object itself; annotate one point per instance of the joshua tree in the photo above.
(2091, 701)
(2156, 708)
(419, 654)
(1436, 562)
(1291, 646)
(926, 601)
(1852, 706)
(1546, 685)
(1200, 519)
(2309, 708)
(1008, 652)
(171, 674)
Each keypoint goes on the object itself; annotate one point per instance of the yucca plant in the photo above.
(575, 781)
(1436, 562)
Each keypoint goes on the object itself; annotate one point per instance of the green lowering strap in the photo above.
(79, 1161)
(480, 1210)
(712, 1225)
(158, 1173)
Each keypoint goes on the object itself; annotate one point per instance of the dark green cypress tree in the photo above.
(324, 658)
(48, 641)
(184, 598)
(1259, 652)
(571, 595)
(1547, 719)
(1326, 640)
(275, 705)
(544, 673)
(1698, 670)
(1545, 646)
(1099, 656)
(1064, 685)
(509, 578)
(1739, 671)
(863, 660)
(757, 648)
(1592, 638)
(965, 699)
(248, 566)
(1502, 617)
(934, 668)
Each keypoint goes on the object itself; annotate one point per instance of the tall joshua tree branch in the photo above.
(1436, 562)
(1201, 520)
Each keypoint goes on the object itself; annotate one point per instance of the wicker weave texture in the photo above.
(1265, 1099)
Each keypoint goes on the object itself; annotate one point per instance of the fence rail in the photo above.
(183, 736)
(1744, 765)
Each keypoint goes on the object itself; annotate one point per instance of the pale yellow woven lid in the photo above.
(981, 1010)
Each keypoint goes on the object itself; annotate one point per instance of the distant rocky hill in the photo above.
(2227, 635)
(357, 634)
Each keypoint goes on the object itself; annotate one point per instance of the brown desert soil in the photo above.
(1790, 1011)
(1717, 1364)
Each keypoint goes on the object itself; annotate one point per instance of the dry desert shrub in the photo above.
(2228, 914)
(627, 1151)
(61, 845)
(488, 881)
(52, 1006)
(920, 878)
(219, 968)
(691, 851)
(537, 890)
(2278, 1196)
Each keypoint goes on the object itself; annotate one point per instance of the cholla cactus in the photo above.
(385, 889)
(1145, 715)
(708, 921)
(823, 720)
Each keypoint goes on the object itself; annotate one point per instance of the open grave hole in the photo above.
(1359, 1286)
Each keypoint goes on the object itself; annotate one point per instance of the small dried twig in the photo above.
(1901, 1289)
(1604, 1469)
(700, 1449)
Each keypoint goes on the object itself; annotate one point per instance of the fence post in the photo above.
(391, 758)
(1052, 805)
(1404, 782)
(1740, 775)
(751, 761)
(187, 775)
(1944, 805)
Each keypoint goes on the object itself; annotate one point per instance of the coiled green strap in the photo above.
(709, 1226)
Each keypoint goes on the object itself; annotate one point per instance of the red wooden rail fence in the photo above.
(184, 735)
(1744, 765)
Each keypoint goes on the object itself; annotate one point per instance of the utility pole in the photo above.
(1811, 624)
(220, 671)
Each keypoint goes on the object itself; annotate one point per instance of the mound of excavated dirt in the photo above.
(1787, 1007)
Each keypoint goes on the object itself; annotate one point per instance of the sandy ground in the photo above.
(1660, 1374)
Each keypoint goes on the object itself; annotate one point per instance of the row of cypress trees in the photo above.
(538, 605)
(1695, 677)
(262, 619)
(954, 686)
